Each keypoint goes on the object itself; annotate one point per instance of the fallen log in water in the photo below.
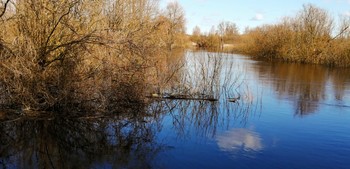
(181, 97)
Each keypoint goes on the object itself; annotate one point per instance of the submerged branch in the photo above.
(182, 97)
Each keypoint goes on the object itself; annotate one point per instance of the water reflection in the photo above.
(198, 75)
(119, 142)
(239, 139)
(203, 76)
(305, 85)
(129, 140)
(125, 141)
(341, 83)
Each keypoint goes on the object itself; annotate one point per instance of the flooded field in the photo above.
(215, 111)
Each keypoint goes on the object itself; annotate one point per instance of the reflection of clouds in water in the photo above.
(238, 139)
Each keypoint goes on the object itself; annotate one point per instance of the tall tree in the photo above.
(227, 31)
(176, 23)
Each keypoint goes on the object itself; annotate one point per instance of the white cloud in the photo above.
(258, 17)
(239, 139)
(347, 13)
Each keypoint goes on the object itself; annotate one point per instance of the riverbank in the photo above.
(311, 36)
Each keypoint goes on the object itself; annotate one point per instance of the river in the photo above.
(267, 115)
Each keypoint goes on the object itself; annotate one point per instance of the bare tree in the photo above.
(77, 52)
(227, 31)
(344, 28)
(308, 37)
(176, 22)
(196, 31)
(196, 36)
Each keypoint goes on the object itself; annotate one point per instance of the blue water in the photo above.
(297, 121)
(288, 116)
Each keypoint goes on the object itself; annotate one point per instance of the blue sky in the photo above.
(252, 13)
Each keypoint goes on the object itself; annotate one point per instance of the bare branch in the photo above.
(5, 6)
(58, 22)
(342, 31)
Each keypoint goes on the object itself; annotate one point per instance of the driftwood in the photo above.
(181, 97)
(234, 99)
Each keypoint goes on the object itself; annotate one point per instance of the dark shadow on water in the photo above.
(125, 141)
(130, 139)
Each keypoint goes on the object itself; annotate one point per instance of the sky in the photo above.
(250, 13)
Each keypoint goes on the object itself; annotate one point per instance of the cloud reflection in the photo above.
(239, 139)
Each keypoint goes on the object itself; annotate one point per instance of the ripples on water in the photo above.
(288, 116)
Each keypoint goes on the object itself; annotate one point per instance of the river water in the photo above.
(286, 116)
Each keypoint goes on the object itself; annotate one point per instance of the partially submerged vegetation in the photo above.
(201, 76)
(312, 36)
(103, 55)
(82, 56)
(308, 37)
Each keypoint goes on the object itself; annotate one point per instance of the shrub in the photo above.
(78, 55)
(305, 38)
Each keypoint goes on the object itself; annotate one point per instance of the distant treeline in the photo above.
(308, 37)
(225, 33)
(312, 36)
